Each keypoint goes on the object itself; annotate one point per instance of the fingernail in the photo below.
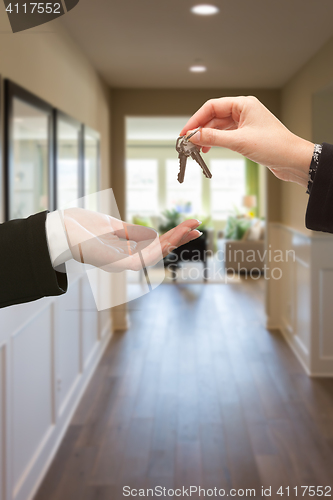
(198, 221)
(200, 232)
(196, 136)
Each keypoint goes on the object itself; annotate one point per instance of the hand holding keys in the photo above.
(185, 148)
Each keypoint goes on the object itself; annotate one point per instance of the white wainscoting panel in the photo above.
(326, 313)
(273, 294)
(287, 300)
(31, 393)
(303, 306)
(68, 344)
(300, 303)
(49, 350)
(89, 329)
(106, 290)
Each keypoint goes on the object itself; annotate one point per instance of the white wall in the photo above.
(48, 352)
(300, 302)
(296, 114)
(48, 348)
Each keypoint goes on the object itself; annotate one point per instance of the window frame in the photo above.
(96, 135)
(12, 91)
(60, 115)
(212, 190)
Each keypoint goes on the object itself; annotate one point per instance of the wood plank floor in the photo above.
(196, 392)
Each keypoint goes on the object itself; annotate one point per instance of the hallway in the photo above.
(196, 392)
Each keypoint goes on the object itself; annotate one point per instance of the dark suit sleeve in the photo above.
(319, 214)
(26, 271)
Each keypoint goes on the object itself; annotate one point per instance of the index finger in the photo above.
(214, 108)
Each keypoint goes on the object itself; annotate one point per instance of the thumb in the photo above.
(208, 137)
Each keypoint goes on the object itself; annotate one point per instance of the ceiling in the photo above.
(152, 43)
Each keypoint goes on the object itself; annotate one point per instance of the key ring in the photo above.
(184, 138)
(192, 134)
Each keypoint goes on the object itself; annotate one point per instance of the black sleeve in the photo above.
(26, 271)
(319, 214)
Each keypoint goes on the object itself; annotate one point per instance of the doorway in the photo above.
(155, 198)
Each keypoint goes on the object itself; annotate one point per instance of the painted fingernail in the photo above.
(198, 221)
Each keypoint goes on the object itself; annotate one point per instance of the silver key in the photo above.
(182, 160)
(185, 148)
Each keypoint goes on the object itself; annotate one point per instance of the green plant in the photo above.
(172, 219)
(141, 221)
(236, 227)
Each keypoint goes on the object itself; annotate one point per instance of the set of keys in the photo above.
(185, 148)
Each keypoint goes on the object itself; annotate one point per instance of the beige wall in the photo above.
(47, 62)
(132, 102)
(296, 114)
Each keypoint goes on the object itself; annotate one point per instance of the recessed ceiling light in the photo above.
(205, 9)
(198, 68)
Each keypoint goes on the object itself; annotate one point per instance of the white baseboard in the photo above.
(120, 318)
(272, 324)
(284, 330)
(292, 346)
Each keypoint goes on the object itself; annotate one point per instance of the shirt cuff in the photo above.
(314, 166)
(319, 213)
(56, 238)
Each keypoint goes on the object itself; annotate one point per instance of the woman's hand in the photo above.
(244, 125)
(114, 246)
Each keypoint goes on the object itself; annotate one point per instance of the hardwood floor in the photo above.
(197, 392)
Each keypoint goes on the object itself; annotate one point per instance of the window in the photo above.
(68, 160)
(152, 187)
(142, 187)
(185, 197)
(91, 167)
(228, 186)
(29, 164)
(153, 167)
